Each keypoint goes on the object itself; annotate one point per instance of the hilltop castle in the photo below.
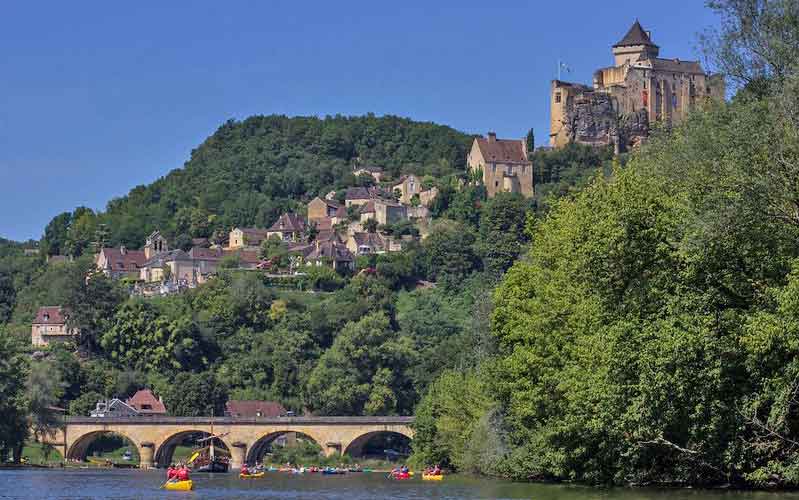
(640, 87)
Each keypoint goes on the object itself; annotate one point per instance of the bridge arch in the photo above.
(259, 448)
(80, 446)
(356, 446)
(166, 449)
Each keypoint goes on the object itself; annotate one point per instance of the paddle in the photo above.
(167, 482)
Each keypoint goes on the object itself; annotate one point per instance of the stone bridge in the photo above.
(246, 438)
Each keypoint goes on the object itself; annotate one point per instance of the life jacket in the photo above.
(170, 473)
(183, 474)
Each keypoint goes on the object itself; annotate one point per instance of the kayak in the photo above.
(179, 485)
(251, 476)
(431, 477)
(401, 476)
(333, 471)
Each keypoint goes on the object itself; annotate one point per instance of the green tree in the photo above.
(193, 394)
(502, 231)
(84, 404)
(449, 253)
(55, 234)
(363, 371)
(13, 406)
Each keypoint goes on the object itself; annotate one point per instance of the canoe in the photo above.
(251, 476)
(179, 485)
(401, 476)
(431, 477)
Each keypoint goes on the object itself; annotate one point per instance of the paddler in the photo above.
(183, 473)
(171, 472)
(244, 470)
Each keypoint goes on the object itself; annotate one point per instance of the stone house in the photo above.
(504, 164)
(639, 88)
(120, 262)
(246, 237)
(181, 267)
(384, 211)
(330, 252)
(409, 186)
(288, 227)
(321, 208)
(357, 196)
(50, 325)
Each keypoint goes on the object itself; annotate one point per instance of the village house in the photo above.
(113, 408)
(357, 196)
(50, 325)
(364, 243)
(246, 238)
(410, 186)
(383, 211)
(120, 262)
(322, 208)
(330, 252)
(146, 404)
(504, 164)
(288, 227)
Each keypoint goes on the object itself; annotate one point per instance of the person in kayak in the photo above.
(171, 472)
(183, 473)
(436, 470)
(244, 470)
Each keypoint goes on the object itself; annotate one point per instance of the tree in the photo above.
(757, 44)
(44, 388)
(194, 394)
(370, 225)
(142, 338)
(363, 371)
(91, 301)
(81, 232)
(449, 253)
(84, 404)
(13, 408)
(502, 231)
(55, 234)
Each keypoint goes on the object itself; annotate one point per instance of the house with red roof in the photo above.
(146, 404)
(120, 262)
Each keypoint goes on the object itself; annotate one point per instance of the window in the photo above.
(496, 183)
(557, 96)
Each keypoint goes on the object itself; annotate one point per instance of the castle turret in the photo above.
(636, 45)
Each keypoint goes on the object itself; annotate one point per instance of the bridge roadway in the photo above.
(246, 438)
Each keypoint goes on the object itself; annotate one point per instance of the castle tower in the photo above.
(636, 45)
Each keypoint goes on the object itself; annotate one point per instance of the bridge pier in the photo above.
(238, 455)
(333, 449)
(146, 455)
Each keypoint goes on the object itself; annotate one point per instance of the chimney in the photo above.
(492, 137)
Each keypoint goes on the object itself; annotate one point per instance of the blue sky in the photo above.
(98, 97)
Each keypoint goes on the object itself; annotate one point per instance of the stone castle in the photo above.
(638, 89)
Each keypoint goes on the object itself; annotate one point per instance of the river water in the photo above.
(70, 484)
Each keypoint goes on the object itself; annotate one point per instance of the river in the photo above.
(40, 484)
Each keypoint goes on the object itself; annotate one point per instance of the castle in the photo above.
(638, 89)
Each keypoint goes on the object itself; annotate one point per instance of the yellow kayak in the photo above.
(431, 477)
(179, 485)
(251, 476)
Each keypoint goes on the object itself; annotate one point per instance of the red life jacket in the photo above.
(170, 473)
(183, 474)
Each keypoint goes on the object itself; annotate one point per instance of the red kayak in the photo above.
(401, 475)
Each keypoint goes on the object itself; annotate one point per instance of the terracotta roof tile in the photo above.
(145, 402)
(50, 315)
(247, 408)
(502, 150)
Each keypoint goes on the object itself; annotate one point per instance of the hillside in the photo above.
(250, 171)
